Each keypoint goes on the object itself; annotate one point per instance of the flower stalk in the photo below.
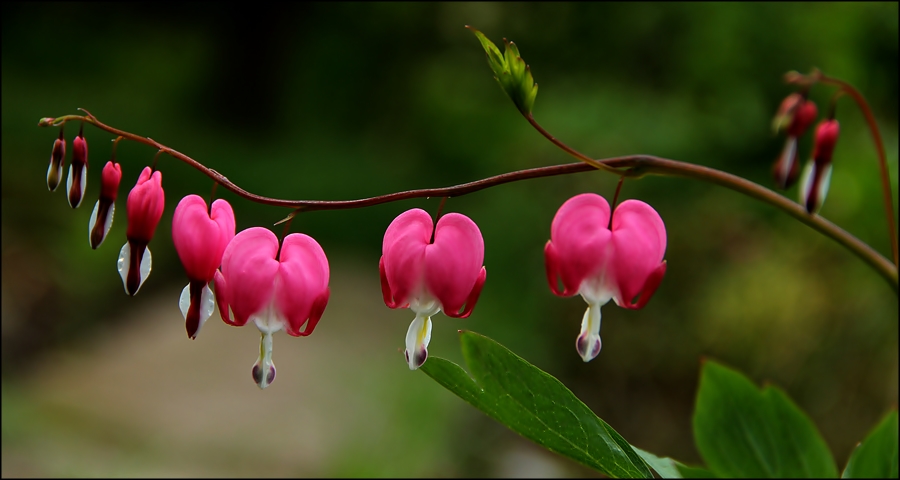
(634, 166)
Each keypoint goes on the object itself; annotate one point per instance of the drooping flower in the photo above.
(795, 115)
(600, 261)
(817, 173)
(102, 216)
(76, 183)
(277, 291)
(200, 237)
(145, 205)
(57, 161)
(427, 276)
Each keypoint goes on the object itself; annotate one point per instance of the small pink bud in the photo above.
(57, 161)
(76, 183)
(102, 216)
(145, 207)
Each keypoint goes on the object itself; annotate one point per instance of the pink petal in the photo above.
(639, 242)
(579, 241)
(223, 296)
(454, 261)
(473, 297)
(110, 177)
(304, 282)
(551, 266)
(145, 205)
(386, 288)
(403, 256)
(199, 239)
(249, 269)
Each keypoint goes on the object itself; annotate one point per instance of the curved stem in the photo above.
(631, 166)
(571, 151)
(817, 76)
(662, 166)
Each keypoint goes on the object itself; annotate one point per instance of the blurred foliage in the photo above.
(341, 101)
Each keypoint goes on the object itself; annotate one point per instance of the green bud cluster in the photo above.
(511, 72)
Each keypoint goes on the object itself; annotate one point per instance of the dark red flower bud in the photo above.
(76, 183)
(817, 173)
(102, 216)
(804, 116)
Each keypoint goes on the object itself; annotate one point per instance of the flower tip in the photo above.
(263, 381)
(418, 358)
(588, 346)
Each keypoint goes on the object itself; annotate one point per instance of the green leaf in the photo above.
(535, 405)
(876, 456)
(741, 431)
(669, 468)
(693, 472)
(511, 72)
(664, 466)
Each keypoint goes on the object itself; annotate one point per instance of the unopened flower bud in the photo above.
(102, 216)
(795, 115)
(57, 161)
(145, 207)
(817, 173)
(76, 183)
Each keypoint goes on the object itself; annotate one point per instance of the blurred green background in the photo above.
(343, 101)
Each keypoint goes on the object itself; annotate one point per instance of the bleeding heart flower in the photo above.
(102, 216)
(817, 174)
(275, 291)
(431, 276)
(602, 263)
(76, 183)
(57, 161)
(200, 237)
(145, 205)
(795, 115)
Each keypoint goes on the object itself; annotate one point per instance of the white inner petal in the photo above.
(124, 264)
(417, 338)
(146, 266)
(269, 320)
(207, 303)
(184, 303)
(264, 363)
(69, 184)
(588, 342)
(50, 172)
(823, 187)
(424, 305)
(92, 222)
(806, 179)
(787, 155)
(106, 226)
(83, 185)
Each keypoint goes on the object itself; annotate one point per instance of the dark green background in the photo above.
(343, 101)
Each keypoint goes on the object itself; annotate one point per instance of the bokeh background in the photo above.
(343, 101)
